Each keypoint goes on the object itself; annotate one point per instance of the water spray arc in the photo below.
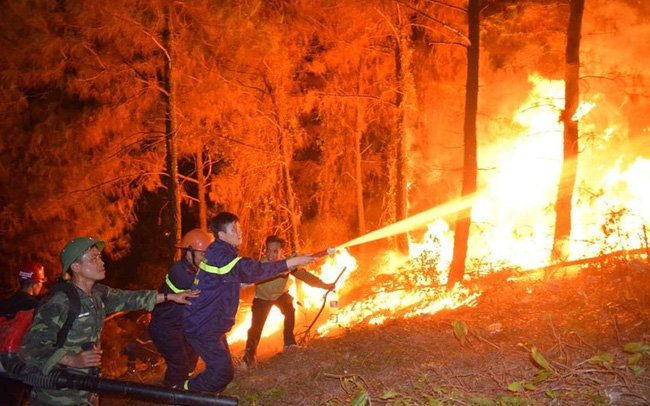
(408, 224)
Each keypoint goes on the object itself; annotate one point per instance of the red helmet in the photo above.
(196, 239)
(31, 271)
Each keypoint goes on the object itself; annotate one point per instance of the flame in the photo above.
(438, 243)
(513, 220)
(513, 213)
(328, 272)
(408, 287)
(239, 333)
(383, 305)
(614, 218)
(513, 216)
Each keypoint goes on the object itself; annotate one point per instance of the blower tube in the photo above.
(60, 378)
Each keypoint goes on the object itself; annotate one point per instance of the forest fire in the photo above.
(446, 149)
(512, 220)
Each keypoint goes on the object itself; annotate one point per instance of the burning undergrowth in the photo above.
(579, 340)
(414, 288)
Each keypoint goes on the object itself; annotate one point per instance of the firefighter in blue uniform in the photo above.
(212, 314)
(166, 326)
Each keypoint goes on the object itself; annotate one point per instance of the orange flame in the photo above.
(512, 215)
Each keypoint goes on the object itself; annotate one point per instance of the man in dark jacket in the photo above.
(31, 276)
(166, 327)
(212, 314)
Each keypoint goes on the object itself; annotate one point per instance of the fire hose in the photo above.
(60, 379)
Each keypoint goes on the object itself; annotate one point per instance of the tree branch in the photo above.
(437, 21)
(241, 143)
(107, 182)
(451, 6)
(358, 96)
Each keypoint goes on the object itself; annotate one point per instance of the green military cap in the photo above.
(76, 247)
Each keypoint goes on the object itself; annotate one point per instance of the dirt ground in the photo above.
(569, 337)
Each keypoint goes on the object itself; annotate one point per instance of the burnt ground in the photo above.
(559, 339)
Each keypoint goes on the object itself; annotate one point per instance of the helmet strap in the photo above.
(191, 251)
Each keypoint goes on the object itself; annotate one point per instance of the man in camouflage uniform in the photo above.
(81, 352)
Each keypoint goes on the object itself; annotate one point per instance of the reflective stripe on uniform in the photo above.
(172, 286)
(219, 271)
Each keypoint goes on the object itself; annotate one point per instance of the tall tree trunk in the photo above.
(293, 211)
(286, 159)
(358, 176)
(292, 205)
(287, 183)
(464, 219)
(402, 66)
(170, 138)
(201, 189)
(570, 160)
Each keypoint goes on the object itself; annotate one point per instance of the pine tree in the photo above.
(563, 205)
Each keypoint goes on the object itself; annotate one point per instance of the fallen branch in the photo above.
(485, 340)
(600, 258)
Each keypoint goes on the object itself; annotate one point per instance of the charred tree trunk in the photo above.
(570, 159)
(402, 66)
(173, 188)
(464, 219)
(201, 189)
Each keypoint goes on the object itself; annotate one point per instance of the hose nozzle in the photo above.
(324, 252)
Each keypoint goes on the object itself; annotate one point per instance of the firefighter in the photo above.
(31, 277)
(275, 292)
(212, 314)
(166, 327)
(79, 351)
